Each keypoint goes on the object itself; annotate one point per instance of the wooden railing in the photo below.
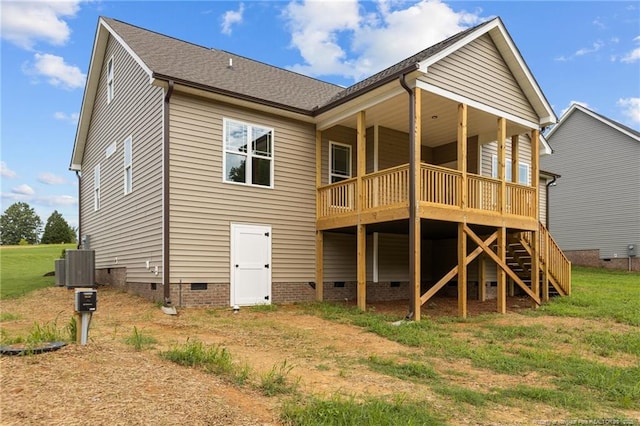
(520, 200)
(483, 193)
(386, 188)
(440, 185)
(337, 198)
(558, 266)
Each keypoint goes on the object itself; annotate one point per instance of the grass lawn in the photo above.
(22, 268)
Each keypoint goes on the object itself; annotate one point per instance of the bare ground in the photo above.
(108, 382)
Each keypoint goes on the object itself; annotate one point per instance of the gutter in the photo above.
(412, 192)
(78, 175)
(551, 183)
(166, 275)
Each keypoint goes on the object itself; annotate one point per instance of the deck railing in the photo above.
(440, 185)
(520, 200)
(337, 198)
(386, 188)
(483, 193)
(559, 267)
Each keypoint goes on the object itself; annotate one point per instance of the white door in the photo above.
(250, 264)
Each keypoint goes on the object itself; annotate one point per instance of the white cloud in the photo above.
(593, 49)
(23, 189)
(342, 38)
(63, 116)
(584, 104)
(57, 72)
(230, 18)
(47, 200)
(630, 108)
(51, 179)
(5, 171)
(632, 56)
(26, 22)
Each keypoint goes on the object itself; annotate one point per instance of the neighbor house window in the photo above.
(128, 165)
(339, 161)
(248, 144)
(110, 80)
(96, 188)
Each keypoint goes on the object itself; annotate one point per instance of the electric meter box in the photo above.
(86, 300)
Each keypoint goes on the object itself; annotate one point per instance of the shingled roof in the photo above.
(170, 58)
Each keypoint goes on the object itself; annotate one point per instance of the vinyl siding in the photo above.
(203, 207)
(478, 72)
(596, 202)
(491, 148)
(127, 227)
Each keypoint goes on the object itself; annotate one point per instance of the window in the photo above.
(523, 170)
(248, 144)
(340, 162)
(128, 165)
(110, 80)
(96, 188)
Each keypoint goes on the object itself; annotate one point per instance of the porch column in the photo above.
(361, 228)
(319, 234)
(462, 271)
(535, 237)
(462, 152)
(502, 276)
(414, 206)
(515, 157)
(502, 134)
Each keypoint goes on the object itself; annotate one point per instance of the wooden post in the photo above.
(515, 158)
(361, 229)
(462, 151)
(414, 206)
(545, 272)
(502, 134)
(482, 277)
(535, 237)
(502, 277)
(462, 271)
(319, 234)
(319, 266)
(362, 267)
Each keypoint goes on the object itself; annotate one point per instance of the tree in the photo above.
(18, 222)
(57, 230)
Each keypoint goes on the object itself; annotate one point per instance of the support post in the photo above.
(515, 158)
(462, 152)
(462, 271)
(545, 272)
(319, 266)
(362, 268)
(535, 237)
(502, 134)
(502, 277)
(414, 206)
(361, 229)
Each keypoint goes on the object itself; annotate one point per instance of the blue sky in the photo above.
(587, 52)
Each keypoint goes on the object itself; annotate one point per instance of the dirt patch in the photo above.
(108, 382)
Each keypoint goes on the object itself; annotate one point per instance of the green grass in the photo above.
(139, 340)
(414, 371)
(600, 294)
(41, 333)
(22, 268)
(276, 381)
(340, 411)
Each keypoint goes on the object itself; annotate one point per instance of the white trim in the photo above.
(111, 77)
(604, 120)
(249, 154)
(475, 104)
(130, 51)
(350, 162)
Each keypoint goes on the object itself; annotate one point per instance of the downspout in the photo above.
(79, 209)
(166, 276)
(546, 215)
(412, 187)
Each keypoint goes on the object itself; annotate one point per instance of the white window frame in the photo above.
(508, 170)
(350, 162)
(110, 80)
(96, 188)
(249, 154)
(523, 175)
(128, 165)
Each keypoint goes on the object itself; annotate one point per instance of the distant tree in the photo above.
(19, 222)
(57, 230)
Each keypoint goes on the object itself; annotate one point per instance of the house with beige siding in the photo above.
(207, 178)
(595, 207)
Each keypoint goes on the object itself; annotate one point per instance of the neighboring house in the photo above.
(595, 207)
(207, 178)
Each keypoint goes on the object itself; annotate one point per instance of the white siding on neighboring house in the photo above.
(596, 202)
(135, 110)
(203, 207)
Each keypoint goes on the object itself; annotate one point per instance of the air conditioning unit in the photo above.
(80, 269)
(60, 276)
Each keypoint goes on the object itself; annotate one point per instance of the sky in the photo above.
(578, 51)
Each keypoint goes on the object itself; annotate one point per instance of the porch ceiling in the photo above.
(439, 119)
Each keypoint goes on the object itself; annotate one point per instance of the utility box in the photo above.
(632, 250)
(86, 300)
(60, 276)
(79, 268)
